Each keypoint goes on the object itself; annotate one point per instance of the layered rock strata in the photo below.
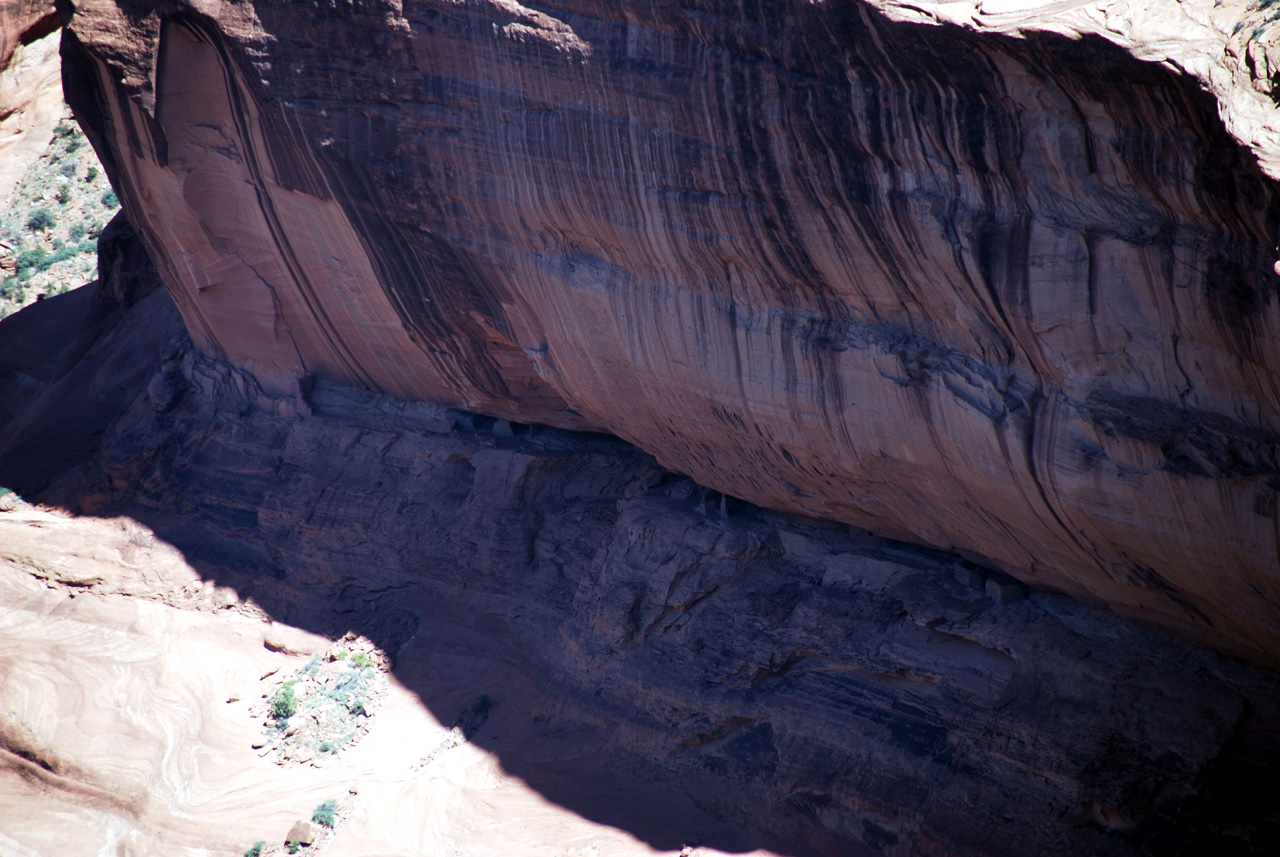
(661, 659)
(1007, 296)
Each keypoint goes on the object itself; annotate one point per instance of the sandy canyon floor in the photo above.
(127, 684)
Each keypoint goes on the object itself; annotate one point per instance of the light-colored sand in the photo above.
(125, 687)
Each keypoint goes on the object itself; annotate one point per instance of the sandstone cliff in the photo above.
(1011, 296)
(667, 666)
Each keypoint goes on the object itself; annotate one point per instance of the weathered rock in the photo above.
(71, 364)
(302, 832)
(662, 660)
(30, 85)
(816, 689)
(1008, 296)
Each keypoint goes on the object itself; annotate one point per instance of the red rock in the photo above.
(1011, 297)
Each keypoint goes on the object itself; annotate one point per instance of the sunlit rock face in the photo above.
(1008, 296)
(30, 87)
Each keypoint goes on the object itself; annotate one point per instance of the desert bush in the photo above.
(255, 850)
(28, 261)
(91, 174)
(77, 231)
(323, 813)
(40, 220)
(110, 200)
(284, 702)
(64, 194)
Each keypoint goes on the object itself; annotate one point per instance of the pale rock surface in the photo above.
(30, 85)
(116, 736)
(1004, 287)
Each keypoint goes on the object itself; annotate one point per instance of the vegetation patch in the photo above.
(324, 813)
(49, 227)
(325, 706)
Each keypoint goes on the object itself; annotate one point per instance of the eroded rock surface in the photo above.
(1008, 296)
(661, 660)
(30, 85)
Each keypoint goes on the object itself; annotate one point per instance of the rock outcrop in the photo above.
(1007, 296)
(662, 660)
(30, 84)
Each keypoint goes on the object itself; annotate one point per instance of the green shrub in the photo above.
(284, 702)
(110, 200)
(62, 254)
(64, 194)
(73, 144)
(10, 286)
(77, 231)
(40, 220)
(64, 129)
(323, 814)
(256, 849)
(91, 174)
(361, 660)
(292, 845)
(28, 262)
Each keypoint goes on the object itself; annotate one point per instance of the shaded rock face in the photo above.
(680, 665)
(70, 365)
(1005, 296)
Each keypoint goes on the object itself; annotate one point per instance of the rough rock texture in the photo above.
(1008, 296)
(661, 659)
(1229, 46)
(71, 364)
(127, 724)
(30, 85)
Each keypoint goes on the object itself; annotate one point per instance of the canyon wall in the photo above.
(1012, 297)
(666, 666)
